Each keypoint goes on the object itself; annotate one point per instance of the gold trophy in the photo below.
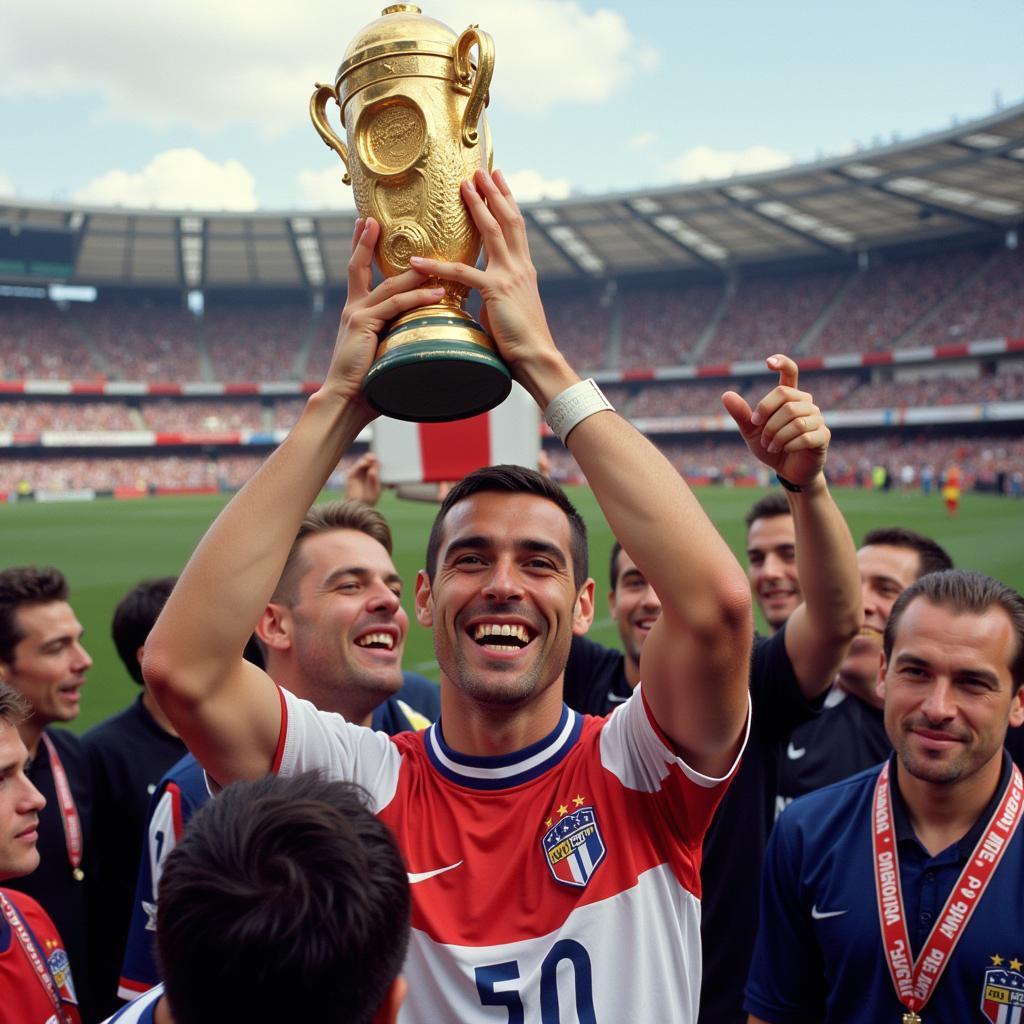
(412, 103)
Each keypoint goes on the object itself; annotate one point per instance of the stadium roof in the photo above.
(966, 181)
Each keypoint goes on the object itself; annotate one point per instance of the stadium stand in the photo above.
(772, 315)
(36, 343)
(895, 277)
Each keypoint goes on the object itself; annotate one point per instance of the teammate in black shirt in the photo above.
(849, 735)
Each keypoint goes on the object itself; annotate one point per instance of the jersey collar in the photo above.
(505, 770)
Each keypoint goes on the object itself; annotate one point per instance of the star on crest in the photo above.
(1015, 964)
(578, 801)
(997, 960)
(563, 810)
(547, 823)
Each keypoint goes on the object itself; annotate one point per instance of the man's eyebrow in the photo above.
(472, 542)
(544, 547)
(878, 577)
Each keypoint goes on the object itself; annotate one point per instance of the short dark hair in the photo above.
(965, 592)
(769, 507)
(25, 585)
(135, 616)
(14, 709)
(513, 480)
(932, 557)
(286, 899)
(332, 515)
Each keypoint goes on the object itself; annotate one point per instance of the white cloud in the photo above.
(702, 163)
(528, 185)
(220, 64)
(642, 140)
(176, 179)
(549, 52)
(324, 190)
(6, 185)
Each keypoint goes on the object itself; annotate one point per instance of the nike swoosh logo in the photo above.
(422, 876)
(820, 915)
(795, 753)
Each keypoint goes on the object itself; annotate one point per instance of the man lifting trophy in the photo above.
(412, 105)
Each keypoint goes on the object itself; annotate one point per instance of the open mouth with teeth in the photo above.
(502, 636)
(377, 641)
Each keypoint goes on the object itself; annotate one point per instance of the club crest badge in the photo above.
(1002, 1000)
(574, 848)
(60, 969)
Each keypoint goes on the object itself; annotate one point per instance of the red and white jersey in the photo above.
(556, 885)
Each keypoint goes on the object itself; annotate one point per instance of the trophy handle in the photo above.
(318, 113)
(481, 82)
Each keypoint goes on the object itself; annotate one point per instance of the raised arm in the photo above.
(227, 710)
(819, 631)
(695, 662)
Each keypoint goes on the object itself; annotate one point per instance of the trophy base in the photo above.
(436, 366)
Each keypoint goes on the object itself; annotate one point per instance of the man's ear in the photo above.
(275, 627)
(583, 609)
(388, 1012)
(883, 667)
(1017, 708)
(424, 600)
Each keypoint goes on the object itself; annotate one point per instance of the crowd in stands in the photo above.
(141, 473)
(884, 302)
(724, 459)
(36, 343)
(202, 415)
(771, 315)
(662, 326)
(152, 343)
(37, 416)
(988, 307)
(953, 296)
(932, 391)
(256, 343)
(699, 398)
(580, 327)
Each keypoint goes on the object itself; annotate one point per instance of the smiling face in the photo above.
(885, 572)
(635, 607)
(502, 603)
(771, 567)
(345, 631)
(20, 804)
(49, 663)
(948, 691)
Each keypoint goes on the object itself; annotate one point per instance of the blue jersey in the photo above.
(183, 790)
(819, 953)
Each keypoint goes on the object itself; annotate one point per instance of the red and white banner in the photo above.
(434, 452)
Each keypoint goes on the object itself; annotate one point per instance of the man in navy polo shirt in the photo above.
(899, 890)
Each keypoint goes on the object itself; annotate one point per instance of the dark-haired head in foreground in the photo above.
(285, 900)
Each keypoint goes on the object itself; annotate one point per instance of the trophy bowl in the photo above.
(412, 104)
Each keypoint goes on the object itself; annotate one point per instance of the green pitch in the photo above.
(104, 547)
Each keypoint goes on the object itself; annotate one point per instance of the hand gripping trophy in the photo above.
(412, 103)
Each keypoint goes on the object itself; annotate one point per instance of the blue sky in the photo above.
(202, 103)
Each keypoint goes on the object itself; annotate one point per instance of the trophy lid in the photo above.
(401, 28)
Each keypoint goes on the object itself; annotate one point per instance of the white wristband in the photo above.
(574, 405)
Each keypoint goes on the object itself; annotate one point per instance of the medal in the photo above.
(78, 875)
(916, 981)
